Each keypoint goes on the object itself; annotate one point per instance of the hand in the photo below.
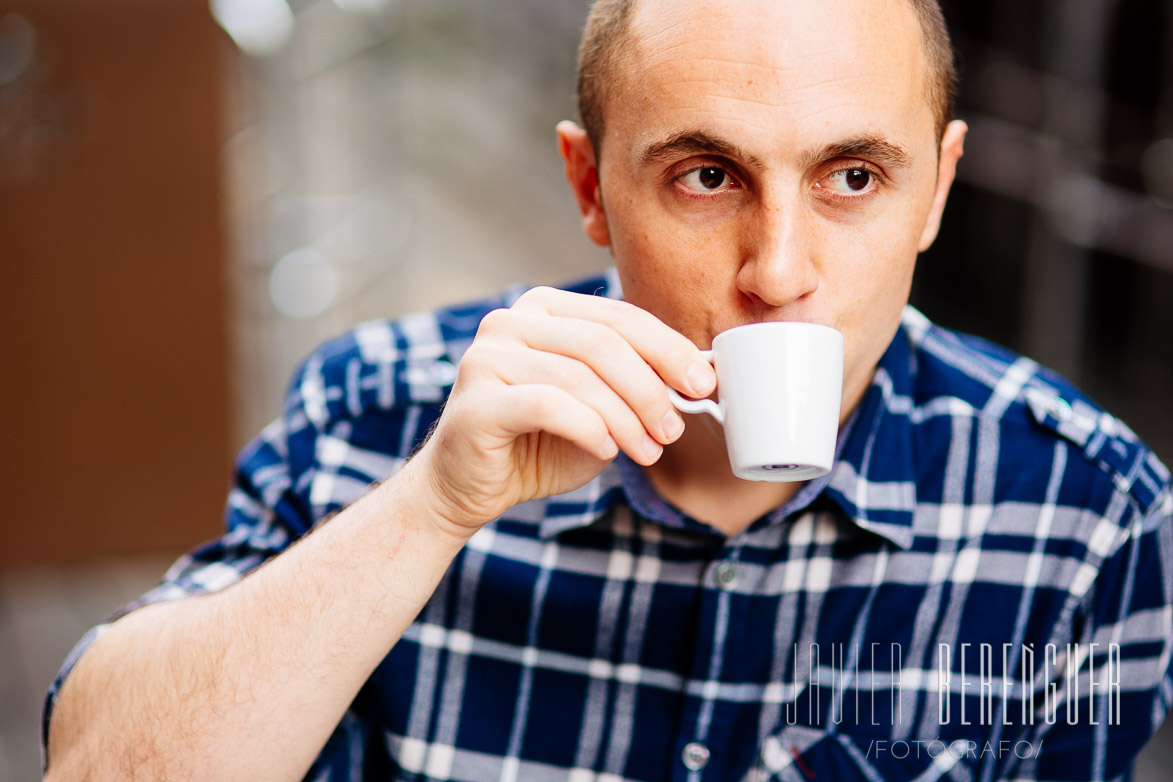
(547, 394)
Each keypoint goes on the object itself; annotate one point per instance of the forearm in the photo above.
(249, 683)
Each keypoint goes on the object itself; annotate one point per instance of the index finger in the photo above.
(671, 354)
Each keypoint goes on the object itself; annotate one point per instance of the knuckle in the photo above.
(652, 399)
(543, 404)
(632, 312)
(481, 352)
(632, 432)
(537, 296)
(621, 417)
(573, 375)
(472, 365)
(603, 338)
(484, 365)
(614, 313)
(494, 321)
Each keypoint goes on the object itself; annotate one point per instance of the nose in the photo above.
(778, 257)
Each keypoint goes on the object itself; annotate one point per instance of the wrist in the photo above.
(440, 511)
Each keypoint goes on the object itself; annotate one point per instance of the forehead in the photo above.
(808, 67)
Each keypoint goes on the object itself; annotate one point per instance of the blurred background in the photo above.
(194, 195)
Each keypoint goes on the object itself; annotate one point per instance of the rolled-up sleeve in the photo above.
(265, 514)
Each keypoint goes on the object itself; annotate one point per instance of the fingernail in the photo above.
(652, 449)
(672, 426)
(700, 379)
(610, 447)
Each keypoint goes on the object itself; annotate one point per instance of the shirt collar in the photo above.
(873, 480)
(874, 477)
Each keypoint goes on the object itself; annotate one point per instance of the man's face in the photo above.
(768, 160)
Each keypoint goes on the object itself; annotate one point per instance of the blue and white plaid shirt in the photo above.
(981, 589)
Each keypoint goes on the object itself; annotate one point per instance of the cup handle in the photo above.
(686, 405)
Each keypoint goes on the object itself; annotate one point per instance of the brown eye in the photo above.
(707, 179)
(851, 182)
(711, 178)
(857, 179)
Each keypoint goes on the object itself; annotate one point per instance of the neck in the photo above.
(694, 475)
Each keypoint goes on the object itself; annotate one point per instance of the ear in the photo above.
(582, 172)
(952, 147)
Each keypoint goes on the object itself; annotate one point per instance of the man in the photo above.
(566, 582)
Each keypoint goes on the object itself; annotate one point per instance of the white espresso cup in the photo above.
(778, 395)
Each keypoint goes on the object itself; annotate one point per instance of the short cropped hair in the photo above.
(606, 30)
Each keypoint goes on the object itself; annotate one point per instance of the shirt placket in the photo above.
(703, 741)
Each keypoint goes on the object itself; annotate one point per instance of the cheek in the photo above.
(666, 267)
(876, 257)
(869, 279)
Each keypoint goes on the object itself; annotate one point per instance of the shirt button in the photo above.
(695, 756)
(725, 575)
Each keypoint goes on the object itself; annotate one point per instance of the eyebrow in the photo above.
(874, 148)
(696, 142)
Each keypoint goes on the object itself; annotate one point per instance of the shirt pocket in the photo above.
(798, 753)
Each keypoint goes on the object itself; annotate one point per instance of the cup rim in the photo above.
(770, 324)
